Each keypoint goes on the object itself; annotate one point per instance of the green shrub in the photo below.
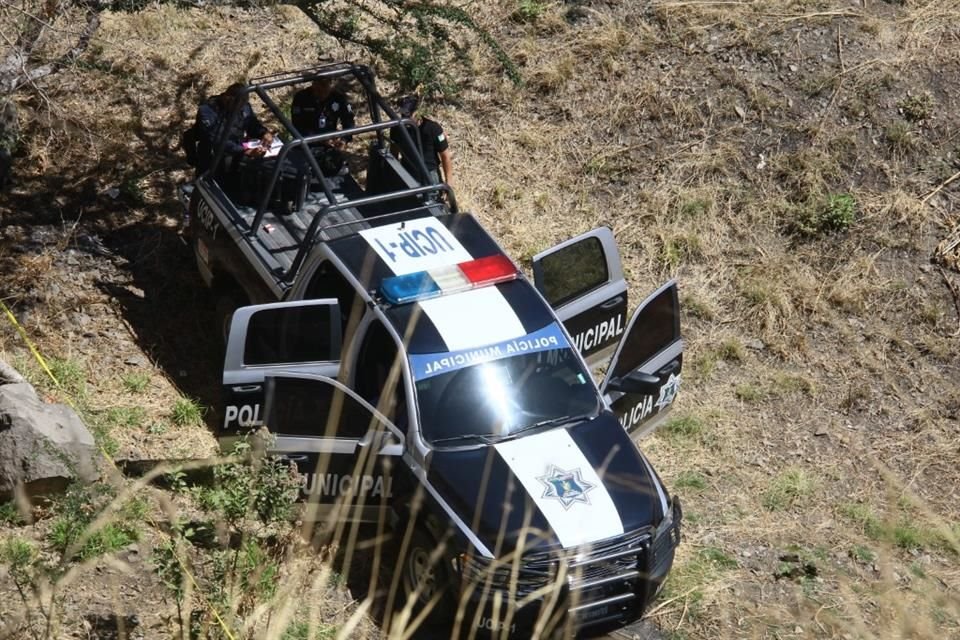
(833, 214)
(690, 480)
(19, 556)
(682, 428)
(787, 489)
(839, 212)
(167, 567)
(528, 11)
(135, 382)
(79, 507)
(187, 412)
(298, 630)
(9, 514)
(71, 376)
(263, 487)
(916, 108)
(427, 39)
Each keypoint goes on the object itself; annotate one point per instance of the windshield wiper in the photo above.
(549, 422)
(491, 438)
(485, 439)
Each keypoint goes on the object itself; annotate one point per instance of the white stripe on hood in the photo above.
(564, 486)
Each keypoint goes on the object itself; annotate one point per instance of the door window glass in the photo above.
(378, 355)
(328, 282)
(308, 407)
(657, 327)
(574, 270)
(291, 335)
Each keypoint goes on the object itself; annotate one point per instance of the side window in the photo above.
(288, 335)
(306, 407)
(377, 356)
(327, 282)
(660, 328)
(574, 270)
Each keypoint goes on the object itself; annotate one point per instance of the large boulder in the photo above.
(43, 446)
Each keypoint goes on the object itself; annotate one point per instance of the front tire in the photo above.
(427, 580)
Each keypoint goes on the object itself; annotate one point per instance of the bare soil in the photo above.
(816, 444)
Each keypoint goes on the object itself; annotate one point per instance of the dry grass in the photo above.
(832, 444)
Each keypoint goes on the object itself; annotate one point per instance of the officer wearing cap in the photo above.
(436, 152)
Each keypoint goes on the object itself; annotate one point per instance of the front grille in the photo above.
(602, 582)
(621, 557)
(618, 558)
(521, 578)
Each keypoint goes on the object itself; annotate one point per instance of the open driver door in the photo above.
(644, 376)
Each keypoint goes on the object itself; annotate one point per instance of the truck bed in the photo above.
(280, 236)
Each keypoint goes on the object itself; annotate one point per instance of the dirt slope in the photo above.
(782, 160)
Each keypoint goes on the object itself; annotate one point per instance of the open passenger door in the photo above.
(343, 448)
(582, 279)
(290, 337)
(644, 375)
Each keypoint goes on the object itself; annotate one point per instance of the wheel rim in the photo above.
(420, 573)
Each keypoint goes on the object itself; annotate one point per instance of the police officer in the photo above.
(321, 109)
(213, 124)
(436, 152)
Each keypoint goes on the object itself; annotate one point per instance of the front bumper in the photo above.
(608, 586)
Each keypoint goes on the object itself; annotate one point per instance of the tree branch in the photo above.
(15, 71)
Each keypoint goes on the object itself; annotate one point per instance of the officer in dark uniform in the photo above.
(321, 109)
(436, 152)
(213, 124)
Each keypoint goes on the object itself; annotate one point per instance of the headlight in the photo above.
(667, 521)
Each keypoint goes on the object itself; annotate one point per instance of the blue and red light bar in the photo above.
(448, 279)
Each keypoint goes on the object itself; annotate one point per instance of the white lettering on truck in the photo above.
(638, 413)
(595, 336)
(332, 484)
(416, 245)
(245, 415)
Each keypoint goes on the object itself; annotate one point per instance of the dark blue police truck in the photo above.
(418, 378)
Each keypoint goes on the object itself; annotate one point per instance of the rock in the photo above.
(136, 360)
(754, 343)
(9, 375)
(43, 446)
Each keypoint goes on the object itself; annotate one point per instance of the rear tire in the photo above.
(227, 302)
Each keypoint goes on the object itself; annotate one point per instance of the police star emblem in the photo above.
(668, 391)
(568, 487)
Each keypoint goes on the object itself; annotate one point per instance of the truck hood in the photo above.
(565, 487)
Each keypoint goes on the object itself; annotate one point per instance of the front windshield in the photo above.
(496, 391)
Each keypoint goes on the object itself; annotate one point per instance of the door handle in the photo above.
(669, 368)
(247, 388)
(294, 457)
(610, 304)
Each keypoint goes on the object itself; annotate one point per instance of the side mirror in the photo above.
(380, 439)
(636, 382)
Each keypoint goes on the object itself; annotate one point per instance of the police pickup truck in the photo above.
(416, 377)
